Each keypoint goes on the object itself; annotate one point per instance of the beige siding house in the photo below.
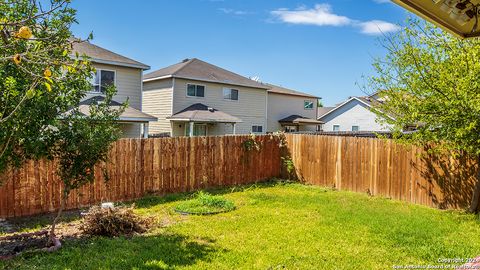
(126, 74)
(291, 111)
(195, 98)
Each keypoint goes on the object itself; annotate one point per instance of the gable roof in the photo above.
(104, 56)
(362, 100)
(285, 91)
(199, 70)
(368, 101)
(202, 113)
(323, 110)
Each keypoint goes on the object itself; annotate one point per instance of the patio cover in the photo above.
(129, 115)
(299, 120)
(202, 113)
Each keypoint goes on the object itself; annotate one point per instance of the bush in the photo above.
(113, 222)
(204, 204)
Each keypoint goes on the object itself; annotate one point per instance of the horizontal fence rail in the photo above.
(384, 168)
(137, 167)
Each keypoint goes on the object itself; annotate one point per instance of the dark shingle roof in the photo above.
(298, 119)
(282, 90)
(202, 113)
(202, 71)
(104, 56)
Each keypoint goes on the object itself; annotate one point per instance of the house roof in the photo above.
(129, 114)
(285, 91)
(323, 110)
(202, 113)
(298, 119)
(365, 100)
(196, 69)
(104, 56)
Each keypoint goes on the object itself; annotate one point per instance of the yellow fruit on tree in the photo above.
(17, 58)
(24, 32)
(47, 73)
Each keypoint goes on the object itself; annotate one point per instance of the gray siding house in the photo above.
(195, 98)
(126, 75)
(354, 114)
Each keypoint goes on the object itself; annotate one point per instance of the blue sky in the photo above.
(319, 47)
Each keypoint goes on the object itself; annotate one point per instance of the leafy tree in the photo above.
(82, 141)
(41, 85)
(39, 78)
(431, 79)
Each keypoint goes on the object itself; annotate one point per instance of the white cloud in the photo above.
(377, 27)
(320, 15)
(233, 11)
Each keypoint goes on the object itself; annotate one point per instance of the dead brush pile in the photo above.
(114, 222)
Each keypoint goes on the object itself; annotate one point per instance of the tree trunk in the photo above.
(476, 191)
(53, 240)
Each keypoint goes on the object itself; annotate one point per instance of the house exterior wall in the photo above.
(157, 101)
(250, 106)
(353, 113)
(281, 106)
(128, 83)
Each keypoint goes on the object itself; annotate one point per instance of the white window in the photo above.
(308, 105)
(257, 129)
(336, 128)
(102, 79)
(195, 90)
(229, 93)
(355, 128)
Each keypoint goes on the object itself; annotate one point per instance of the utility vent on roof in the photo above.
(210, 109)
(185, 60)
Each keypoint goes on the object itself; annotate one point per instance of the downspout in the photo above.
(266, 111)
(171, 106)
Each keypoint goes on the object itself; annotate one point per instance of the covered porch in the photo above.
(133, 123)
(202, 120)
(296, 123)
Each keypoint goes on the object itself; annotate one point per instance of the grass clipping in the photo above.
(113, 222)
(205, 204)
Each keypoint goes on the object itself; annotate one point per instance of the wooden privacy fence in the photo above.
(138, 167)
(382, 167)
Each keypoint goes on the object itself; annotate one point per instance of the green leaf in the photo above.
(30, 93)
(48, 86)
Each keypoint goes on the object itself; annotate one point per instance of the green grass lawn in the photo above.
(278, 226)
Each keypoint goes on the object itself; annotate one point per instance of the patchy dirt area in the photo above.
(28, 233)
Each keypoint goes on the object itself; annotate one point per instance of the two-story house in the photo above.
(291, 111)
(195, 98)
(126, 75)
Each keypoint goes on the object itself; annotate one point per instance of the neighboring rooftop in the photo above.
(196, 69)
(104, 56)
(202, 113)
(298, 119)
(323, 110)
(285, 91)
(129, 114)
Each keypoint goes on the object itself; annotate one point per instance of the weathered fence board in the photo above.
(384, 168)
(137, 167)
